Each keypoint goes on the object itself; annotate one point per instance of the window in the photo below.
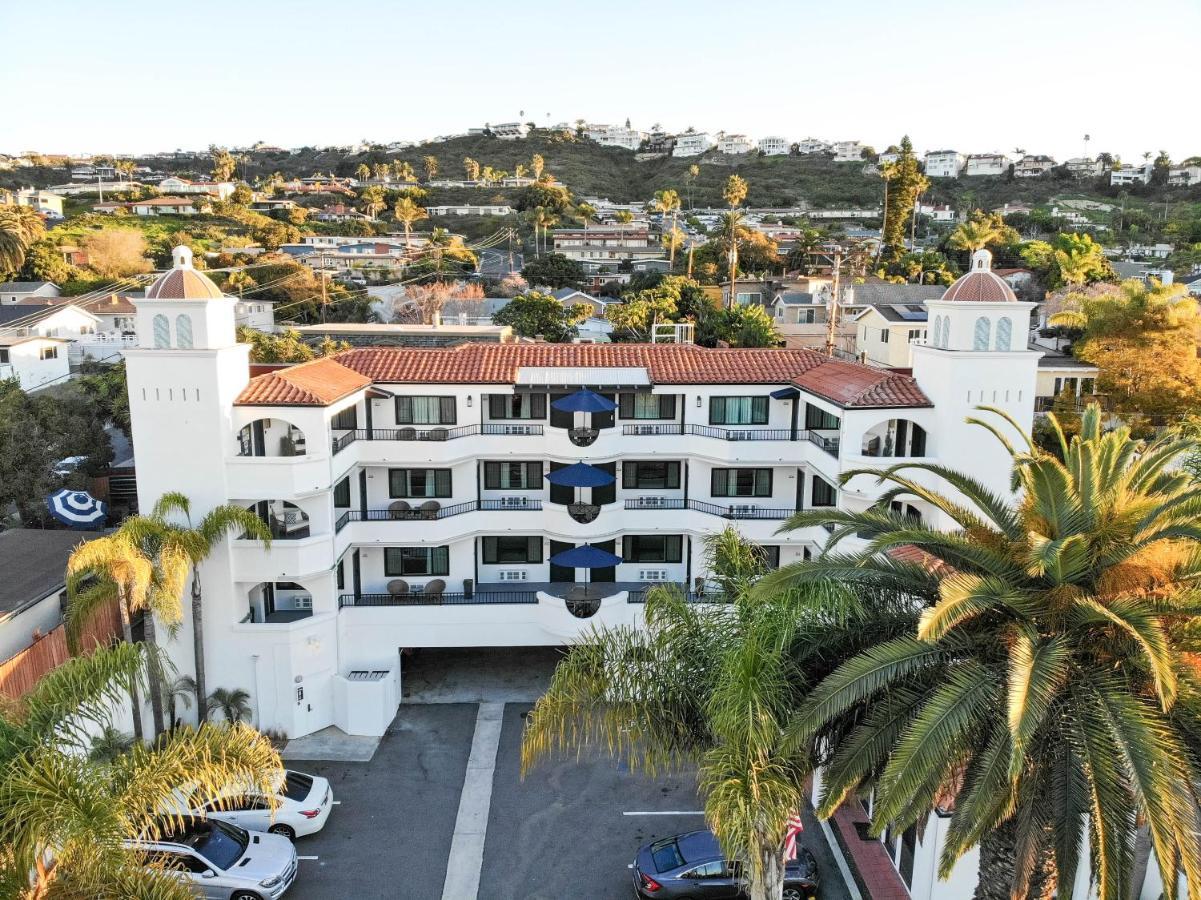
(425, 410)
(817, 419)
(1004, 333)
(162, 332)
(517, 476)
(342, 494)
(652, 548)
(48, 353)
(347, 419)
(883, 335)
(416, 561)
(419, 482)
(916, 334)
(517, 406)
(650, 474)
(183, 331)
(769, 554)
(983, 327)
(806, 316)
(647, 406)
(341, 574)
(705, 871)
(738, 410)
(512, 549)
(3, 355)
(823, 493)
(741, 483)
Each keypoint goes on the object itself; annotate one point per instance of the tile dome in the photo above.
(183, 282)
(981, 284)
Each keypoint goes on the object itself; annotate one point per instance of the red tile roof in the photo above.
(845, 384)
(317, 383)
(980, 287)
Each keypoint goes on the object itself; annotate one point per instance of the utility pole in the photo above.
(324, 299)
(100, 186)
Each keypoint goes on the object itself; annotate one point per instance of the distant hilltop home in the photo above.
(615, 136)
(1085, 167)
(987, 164)
(1032, 166)
(774, 146)
(16, 291)
(424, 497)
(692, 144)
(219, 189)
(467, 209)
(847, 151)
(1130, 174)
(734, 144)
(47, 203)
(159, 206)
(1184, 176)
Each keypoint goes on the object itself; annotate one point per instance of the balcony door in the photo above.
(606, 493)
(607, 575)
(561, 573)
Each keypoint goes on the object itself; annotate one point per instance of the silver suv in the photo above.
(220, 861)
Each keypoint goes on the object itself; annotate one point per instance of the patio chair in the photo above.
(436, 434)
(435, 588)
(406, 434)
(429, 509)
(399, 508)
(398, 587)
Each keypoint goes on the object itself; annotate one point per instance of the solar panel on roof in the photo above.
(913, 307)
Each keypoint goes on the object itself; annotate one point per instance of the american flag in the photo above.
(794, 829)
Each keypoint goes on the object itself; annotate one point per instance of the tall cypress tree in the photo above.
(903, 189)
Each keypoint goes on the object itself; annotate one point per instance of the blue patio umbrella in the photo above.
(583, 400)
(580, 475)
(585, 556)
(79, 509)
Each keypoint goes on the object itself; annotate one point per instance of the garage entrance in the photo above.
(477, 674)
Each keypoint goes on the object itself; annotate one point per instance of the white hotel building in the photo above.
(410, 494)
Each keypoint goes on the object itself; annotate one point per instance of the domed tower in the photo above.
(183, 378)
(976, 353)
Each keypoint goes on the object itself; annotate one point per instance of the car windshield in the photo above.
(666, 855)
(219, 843)
(297, 786)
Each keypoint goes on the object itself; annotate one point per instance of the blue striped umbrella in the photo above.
(79, 509)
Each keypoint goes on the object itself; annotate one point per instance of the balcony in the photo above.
(430, 514)
(412, 433)
(829, 443)
(734, 511)
(713, 431)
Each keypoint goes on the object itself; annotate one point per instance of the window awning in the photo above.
(788, 393)
(569, 376)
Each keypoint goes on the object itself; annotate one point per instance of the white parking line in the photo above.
(665, 812)
(331, 803)
(307, 857)
(467, 846)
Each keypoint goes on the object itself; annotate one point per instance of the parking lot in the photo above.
(568, 831)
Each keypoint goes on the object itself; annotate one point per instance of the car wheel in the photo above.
(284, 831)
(245, 895)
(791, 893)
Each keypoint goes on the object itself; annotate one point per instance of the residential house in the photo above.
(438, 334)
(987, 164)
(892, 317)
(421, 497)
(939, 212)
(1149, 251)
(774, 146)
(16, 291)
(1032, 166)
(615, 136)
(510, 131)
(596, 328)
(47, 203)
(692, 144)
(33, 361)
(812, 145)
(1130, 174)
(220, 190)
(847, 151)
(660, 143)
(1183, 176)
(606, 243)
(1193, 283)
(340, 212)
(169, 206)
(734, 144)
(1059, 372)
(1085, 167)
(467, 209)
(271, 204)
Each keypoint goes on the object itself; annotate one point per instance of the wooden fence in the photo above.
(20, 673)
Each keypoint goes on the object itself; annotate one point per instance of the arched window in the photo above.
(183, 331)
(946, 332)
(983, 327)
(162, 332)
(1004, 333)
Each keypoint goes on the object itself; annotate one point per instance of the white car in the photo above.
(304, 802)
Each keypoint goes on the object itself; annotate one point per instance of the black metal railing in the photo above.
(714, 431)
(487, 598)
(437, 433)
(691, 596)
(829, 444)
(418, 515)
(734, 511)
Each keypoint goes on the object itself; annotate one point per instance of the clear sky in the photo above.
(134, 76)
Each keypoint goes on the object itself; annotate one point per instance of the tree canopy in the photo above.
(535, 314)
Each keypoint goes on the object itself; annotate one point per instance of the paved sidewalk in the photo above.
(869, 859)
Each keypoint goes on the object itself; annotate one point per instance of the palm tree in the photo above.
(234, 704)
(734, 193)
(431, 167)
(973, 235)
(694, 172)
(1049, 689)
(20, 227)
(624, 217)
(407, 212)
(362, 171)
(109, 744)
(371, 198)
(731, 224)
(668, 202)
(63, 817)
(200, 541)
(543, 218)
(179, 693)
(704, 685)
(586, 212)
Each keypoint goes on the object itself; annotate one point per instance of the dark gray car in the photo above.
(692, 867)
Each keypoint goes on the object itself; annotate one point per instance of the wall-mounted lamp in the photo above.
(698, 402)
(469, 401)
